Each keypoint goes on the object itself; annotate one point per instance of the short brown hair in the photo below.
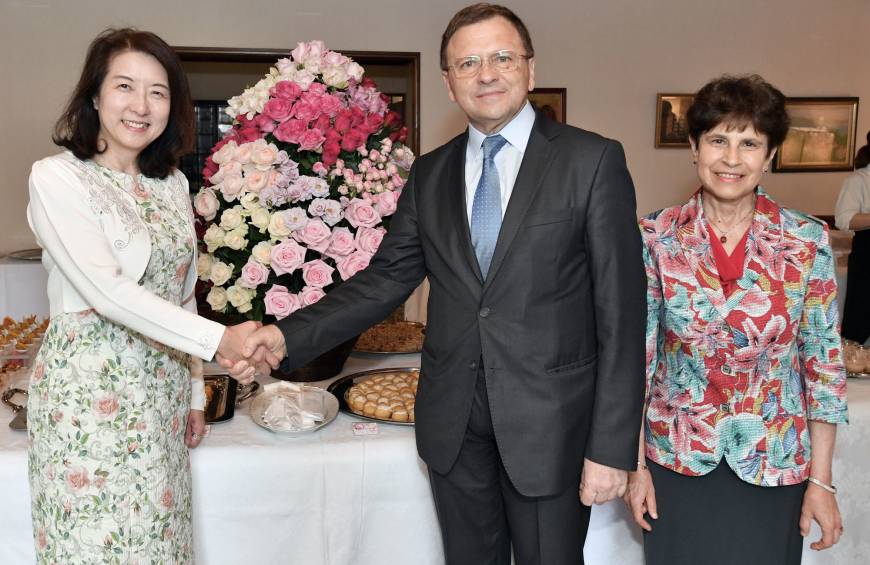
(739, 100)
(862, 157)
(478, 13)
(78, 128)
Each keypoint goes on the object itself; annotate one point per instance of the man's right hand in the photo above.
(263, 348)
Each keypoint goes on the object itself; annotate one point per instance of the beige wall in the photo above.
(612, 55)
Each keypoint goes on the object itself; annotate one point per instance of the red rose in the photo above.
(286, 89)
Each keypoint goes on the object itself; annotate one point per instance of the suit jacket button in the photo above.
(484, 312)
(473, 365)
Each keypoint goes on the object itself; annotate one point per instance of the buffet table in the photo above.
(339, 499)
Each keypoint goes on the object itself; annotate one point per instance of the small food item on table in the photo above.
(389, 396)
(392, 337)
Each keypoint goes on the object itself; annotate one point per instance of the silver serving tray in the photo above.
(261, 403)
(341, 385)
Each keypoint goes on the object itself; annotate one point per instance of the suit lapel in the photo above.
(536, 161)
(457, 209)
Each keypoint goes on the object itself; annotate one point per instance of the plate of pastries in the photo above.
(856, 357)
(382, 395)
(393, 337)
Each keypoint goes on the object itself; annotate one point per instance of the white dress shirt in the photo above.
(507, 161)
(854, 198)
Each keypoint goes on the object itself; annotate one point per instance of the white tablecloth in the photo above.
(22, 288)
(338, 499)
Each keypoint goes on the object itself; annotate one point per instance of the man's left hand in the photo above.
(600, 483)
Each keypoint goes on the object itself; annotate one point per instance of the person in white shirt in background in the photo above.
(853, 213)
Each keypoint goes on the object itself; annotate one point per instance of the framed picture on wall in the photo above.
(671, 127)
(551, 101)
(821, 136)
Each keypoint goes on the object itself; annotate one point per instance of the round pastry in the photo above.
(383, 411)
(400, 415)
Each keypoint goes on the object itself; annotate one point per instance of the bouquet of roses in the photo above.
(299, 192)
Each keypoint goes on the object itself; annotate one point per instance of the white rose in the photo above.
(335, 77)
(206, 203)
(203, 266)
(277, 227)
(236, 238)
(261, 218)
(220, 273)
(355, 71)
(239, 297)
(217, 298)
(214, 237)
(262, 252)
(231, 218)
(250, 201)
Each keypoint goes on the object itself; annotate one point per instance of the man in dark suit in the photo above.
(532, 368)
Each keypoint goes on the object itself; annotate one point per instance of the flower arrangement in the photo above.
(299, 193)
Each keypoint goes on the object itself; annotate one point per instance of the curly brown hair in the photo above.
(739, 101)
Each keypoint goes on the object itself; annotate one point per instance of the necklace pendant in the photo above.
(723, 239)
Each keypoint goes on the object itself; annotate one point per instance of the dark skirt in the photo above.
(856, 310)
(718, 519)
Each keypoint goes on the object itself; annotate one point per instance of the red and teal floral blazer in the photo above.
(739, 376)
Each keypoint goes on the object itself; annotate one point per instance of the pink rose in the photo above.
(310, 140)
(243, 153)
(341, 243)
(76, 478)
(280, 303)
(38, 372)
(253, 274)
(264, 155)
(286, 257)
(231, 186)
(352, 264)
(369, 239)
(317, 88)
(386, 203)
(360, 213)
(265, 123)
(278, 109)
(330, 105)
(319, 169)
(311, 294)
(317, 273)
(305, 111)
(315, 235)
(166, 498)
(322, 124)
(106, 406)
(286, 89)
(290, 131)
(256, 180)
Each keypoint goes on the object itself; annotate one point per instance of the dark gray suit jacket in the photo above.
(559, 321)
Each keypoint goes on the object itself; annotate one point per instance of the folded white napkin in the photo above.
(292, 408)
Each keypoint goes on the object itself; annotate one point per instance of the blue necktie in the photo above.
(486, 208)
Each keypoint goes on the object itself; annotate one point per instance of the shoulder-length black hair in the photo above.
(78, 128)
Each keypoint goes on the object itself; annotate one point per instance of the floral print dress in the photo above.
(109, 470)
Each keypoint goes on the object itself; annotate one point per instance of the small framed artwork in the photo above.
(671, 127)
(550, 101)
(821, 136)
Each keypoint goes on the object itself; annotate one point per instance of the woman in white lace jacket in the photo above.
(116, 393)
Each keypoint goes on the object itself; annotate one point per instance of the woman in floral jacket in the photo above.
(744, 368)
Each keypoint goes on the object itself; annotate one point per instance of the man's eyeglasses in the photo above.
(501, 61)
